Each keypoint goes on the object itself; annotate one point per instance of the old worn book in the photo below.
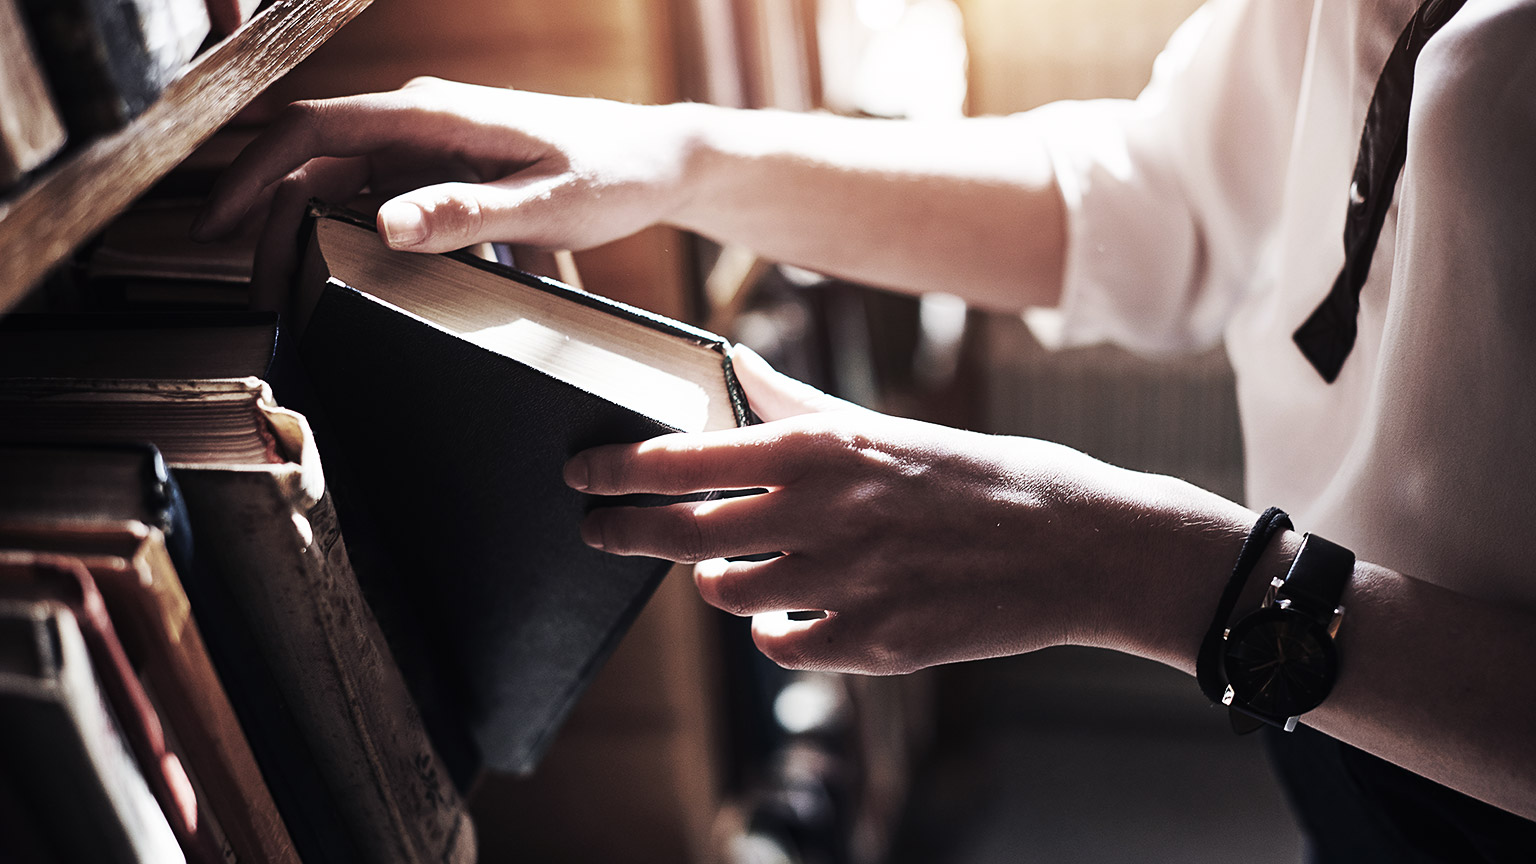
(62, 751)
(37, 577)
(152, 240)
(449, 392)
(108, 482)
(108, 60)
(145, 258)
(30, 128)
(70, 501)
(339, 741)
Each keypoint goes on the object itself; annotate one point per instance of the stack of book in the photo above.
(211, 649)
(77, 69)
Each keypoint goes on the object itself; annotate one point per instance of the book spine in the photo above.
(31, 131)
(745, 416)
(59, 742)
(310, 622)
(99, 60)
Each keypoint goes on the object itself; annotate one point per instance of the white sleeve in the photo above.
(1171, 197)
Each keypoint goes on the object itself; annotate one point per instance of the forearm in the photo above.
(969, 207)
(1429, 679)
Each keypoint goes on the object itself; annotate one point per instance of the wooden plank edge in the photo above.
(85, 190)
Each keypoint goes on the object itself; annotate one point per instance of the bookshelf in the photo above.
(80, 192)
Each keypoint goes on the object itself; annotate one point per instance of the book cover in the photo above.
(449, 392)
(108, 60)
(37, 577)
(61, 748)
(30, 128)
(153, 616)
(332, 724)
(105, 482)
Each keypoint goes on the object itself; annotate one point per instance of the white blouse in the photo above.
(1212, 207)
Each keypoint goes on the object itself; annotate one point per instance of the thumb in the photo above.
(774, 395)
(434, 218)
(448, 216)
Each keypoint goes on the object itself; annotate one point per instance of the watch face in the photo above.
(1280, 662)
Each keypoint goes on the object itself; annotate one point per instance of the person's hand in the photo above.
(923, 544)
(464, 164)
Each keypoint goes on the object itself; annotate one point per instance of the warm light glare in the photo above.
(808, 704)
(879, 14)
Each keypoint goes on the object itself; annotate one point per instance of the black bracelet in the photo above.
(1208, 667)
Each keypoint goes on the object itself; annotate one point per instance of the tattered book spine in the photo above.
(320, 639)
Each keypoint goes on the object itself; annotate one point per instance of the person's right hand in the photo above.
(464, 164)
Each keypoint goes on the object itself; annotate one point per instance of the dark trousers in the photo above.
(1357, 808)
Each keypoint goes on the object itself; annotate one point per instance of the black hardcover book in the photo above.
(449, 394)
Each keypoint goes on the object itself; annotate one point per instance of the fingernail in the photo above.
(403, 223)
(576, 474)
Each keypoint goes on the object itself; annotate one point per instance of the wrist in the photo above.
(696, 128)
(1171, 568)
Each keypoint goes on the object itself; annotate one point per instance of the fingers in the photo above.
(448, 216)
(787, 583)
(690, 531)
(831, 644)
(774, 395)
(680, 464)
(348, 126)
(276, 250)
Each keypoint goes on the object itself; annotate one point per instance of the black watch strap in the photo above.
(1318, 577)
(1208, 672)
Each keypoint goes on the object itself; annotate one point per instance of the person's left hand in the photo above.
(923, 544)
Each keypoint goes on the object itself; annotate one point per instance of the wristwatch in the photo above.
(1280, 660)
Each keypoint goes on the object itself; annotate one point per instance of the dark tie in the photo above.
(1328, 335)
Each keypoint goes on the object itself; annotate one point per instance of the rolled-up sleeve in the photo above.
(1171, 198)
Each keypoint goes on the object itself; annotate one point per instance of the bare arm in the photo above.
(969, 206)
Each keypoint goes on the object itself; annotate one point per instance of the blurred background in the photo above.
(690, 747)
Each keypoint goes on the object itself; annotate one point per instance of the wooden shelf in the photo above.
(77, 195)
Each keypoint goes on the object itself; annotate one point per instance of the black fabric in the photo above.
(1328, 334)
(455, 453)
(1356, 809)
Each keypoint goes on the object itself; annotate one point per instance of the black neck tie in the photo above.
(1328, 335)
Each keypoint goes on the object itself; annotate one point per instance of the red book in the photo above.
(65, 580)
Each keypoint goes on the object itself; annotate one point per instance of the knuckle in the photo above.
(302, 116)
(691, 535)
(789, 654)
(890, 650)
(600, 526)
(303, 123)
(605, 470)
(457, 211)
(729, 595)
(293, 190)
